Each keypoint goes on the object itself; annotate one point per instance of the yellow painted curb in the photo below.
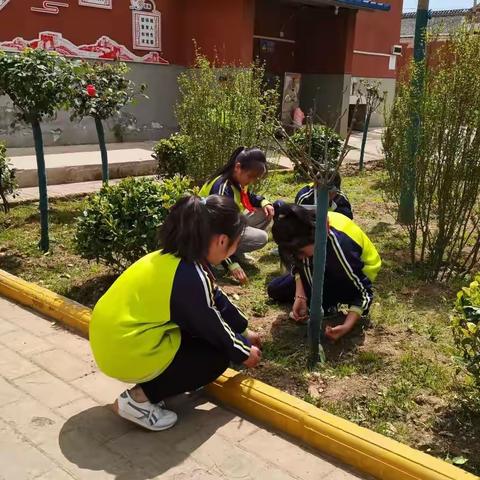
(45, 301)
(363, 449)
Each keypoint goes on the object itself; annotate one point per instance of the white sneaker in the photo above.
(148, 415)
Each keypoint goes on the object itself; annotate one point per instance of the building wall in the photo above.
(375, 35)
(328, 95)
(221, 28)
(182, 21)
(376, 32)
(148, 119)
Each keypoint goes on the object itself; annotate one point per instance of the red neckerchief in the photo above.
(245, 199)
(208, 269)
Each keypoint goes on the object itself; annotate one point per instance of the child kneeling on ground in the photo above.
(352, 264)
(245, 167)
(338, 201)
(164, 324)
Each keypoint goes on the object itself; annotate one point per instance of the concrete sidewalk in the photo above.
(65, 165)
(55, 424)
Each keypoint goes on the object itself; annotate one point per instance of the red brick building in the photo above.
(330, 43)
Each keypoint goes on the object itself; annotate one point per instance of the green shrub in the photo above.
(120, 223)
(172, 155)
(440, 106)
(466, 327)
(315, 143)
(223, 107)
(8, 184)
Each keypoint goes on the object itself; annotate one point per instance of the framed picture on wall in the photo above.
(96, 3)
(146, 30)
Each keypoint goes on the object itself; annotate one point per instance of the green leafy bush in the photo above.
(172, 155)
(466, 327)
(8, 184)
(316, 142)
(437, 114)
(223, 107)
(120, 223)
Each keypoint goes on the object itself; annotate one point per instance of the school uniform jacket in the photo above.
(137, 325)
(352, 264)
(340, 203)
(224, 186)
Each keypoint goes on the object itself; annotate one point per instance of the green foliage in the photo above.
(221, 108)
(444, 236)
(318, 142)
(466, 327)
(36, 81)
(120, 223)
(113, 90)
(172, 155)
(8, 184)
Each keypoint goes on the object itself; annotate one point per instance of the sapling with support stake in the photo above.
(370, 91)
(321, 169)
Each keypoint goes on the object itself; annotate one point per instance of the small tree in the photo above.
(320, 166)
(373, 99)
(100, 91)
(445, 232)
(8, 184)
(37, 83)
(223, 107)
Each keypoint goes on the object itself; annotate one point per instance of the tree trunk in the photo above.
(103, 148)
(364, 139)
(42, 186)
(316, 304)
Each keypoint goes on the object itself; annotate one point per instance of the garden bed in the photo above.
(396, 376)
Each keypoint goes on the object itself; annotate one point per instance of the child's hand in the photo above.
(254, 338)
(240, 275)
(269, 211)
(254, 358)
(300, 309)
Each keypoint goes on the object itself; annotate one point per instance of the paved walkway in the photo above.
(55, 425)
(72, 158)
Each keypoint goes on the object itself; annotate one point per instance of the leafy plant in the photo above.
(444, 234)
(173, 155)
(120, 223)
(317, 153)
(8, 184)
(223, 107)
(38, 83)
(100, 91)
(317, 141)
(466, 327)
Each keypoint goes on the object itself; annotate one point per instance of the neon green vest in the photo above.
(207, 188)
(370, 257)
(131, 335)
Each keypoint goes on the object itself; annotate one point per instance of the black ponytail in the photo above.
(193, 221)
(293, 228)
(249, 159)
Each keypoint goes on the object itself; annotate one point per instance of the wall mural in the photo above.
(146, 34)
(103, 49)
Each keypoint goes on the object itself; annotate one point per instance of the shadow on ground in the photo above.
(89, 292)
(98, 440)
